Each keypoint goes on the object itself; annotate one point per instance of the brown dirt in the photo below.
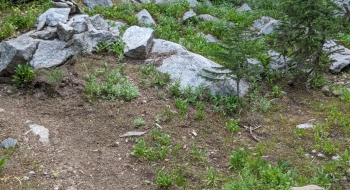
(86, 152)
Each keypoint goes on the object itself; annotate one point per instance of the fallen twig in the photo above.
(251, 133)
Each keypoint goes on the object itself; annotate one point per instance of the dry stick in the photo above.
(251, 133)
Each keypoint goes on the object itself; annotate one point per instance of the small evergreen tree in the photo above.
(305, 28)
(234, 53)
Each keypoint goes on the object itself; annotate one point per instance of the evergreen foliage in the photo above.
(305, 28)
(236, 50)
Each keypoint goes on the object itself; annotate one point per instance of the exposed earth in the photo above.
(86, 152)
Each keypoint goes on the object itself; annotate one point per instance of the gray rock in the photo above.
(326, 90)
(211, 39)
(48, 34)
(305, 126)
(114, 31)
(54, 15)
(187, 66)
(189, 14)
(80, 23)
(8, 143)
(265, 25)
(208, 17)
(16, 51)
(145, 17)
(64, 31)
(117, 24)
(99, 23)
(50, 53)
(2, 110)
(81, 43)
(138, 42)
(340, 58)
(244, 7)
(278, 62)
(101, 36)
(103, 3)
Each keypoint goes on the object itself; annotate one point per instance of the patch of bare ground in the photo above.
(86, 152)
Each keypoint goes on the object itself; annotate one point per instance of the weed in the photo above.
(318, 81)
(179, 177)
(238, 159)
(276, 91)
(212, 178)
(141, 149)
(174, 89)
(54, 77)
(24, 75)
(115, 86)
(168, 113)
(138, 122)
(162, 151)
(198, 154)
(300, 132)
(232, 125)
(177, 148)
(200, 114)
(182, 105)
(3, 161)
(160, 137)
(163, 180)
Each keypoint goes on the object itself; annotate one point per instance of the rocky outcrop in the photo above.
(52, 46)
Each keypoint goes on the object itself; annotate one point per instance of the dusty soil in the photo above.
(86, 152)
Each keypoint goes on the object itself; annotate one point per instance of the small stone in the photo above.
(320, 155)
(10, 142)
(313, 151)
(305, 126)
(25, 178)
(336, 157)
(147, 182)
(2, 110)
(32, 173)
(325, 90)
(308, 187)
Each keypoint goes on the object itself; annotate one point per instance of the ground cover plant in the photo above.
(194, 139)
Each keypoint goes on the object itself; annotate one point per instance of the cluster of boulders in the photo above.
(62, 32)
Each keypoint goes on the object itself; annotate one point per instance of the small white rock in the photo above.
(25, 178)
(2, 110)
(32, 173)
(320, 155)
(336, 157)
(305, 126)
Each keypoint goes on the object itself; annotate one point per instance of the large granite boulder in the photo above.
(138, 42)
(187, 66)
(265, 25)
(16, 51)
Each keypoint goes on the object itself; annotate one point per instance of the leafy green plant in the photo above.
(300, 132)
(159, 136)
(276, 91)
(3, 161)
(198, 154)
(164, 180)
(168, 113)
(141, 150)
(24, 75)
(212, 178)
(115, 86)
(138, 121)
(174, 89)
(232, 125)
(182, 105)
